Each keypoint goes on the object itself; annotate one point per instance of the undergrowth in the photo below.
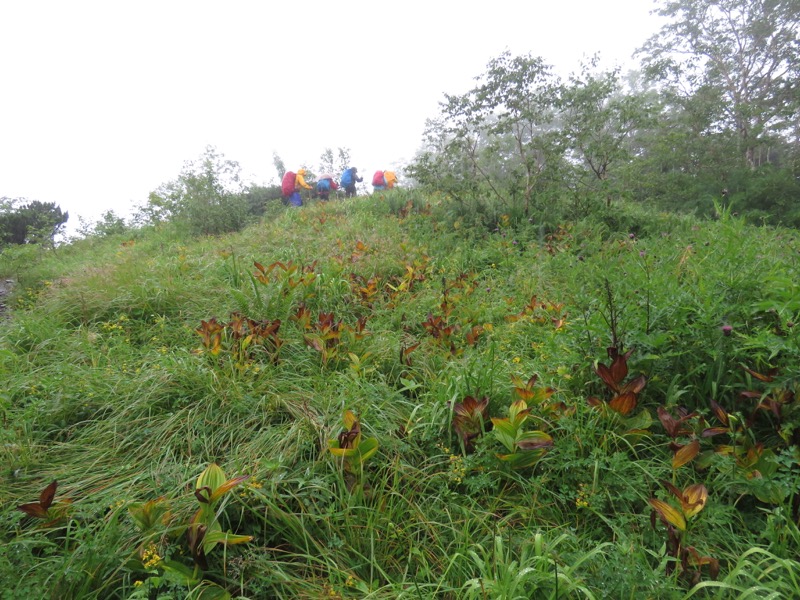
(631, 428)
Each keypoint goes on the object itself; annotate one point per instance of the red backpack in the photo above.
(287, 185)
(378, 179)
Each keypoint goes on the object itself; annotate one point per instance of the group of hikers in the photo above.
(293, 183)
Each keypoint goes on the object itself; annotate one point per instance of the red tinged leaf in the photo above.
(405, 353)
(712, 431)
(470, 417)
(47, 495)
(693, 499)
(671, 425)
(768, 378)
(473, 334)
(674, 427)
(672, 489)
(719, 412)
(634, 386)
(203, 494)
(694, 559)
(607, 376)
(594, 402)
(470, 406)
(535, 444)
(263, 274)
(33, 509)
(347, 438)
(686, 454)
(39, 509)
(770, 405)
(624, 403)
(619, 367)
(315, 343)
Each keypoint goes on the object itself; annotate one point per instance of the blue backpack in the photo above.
(347, 178)
(324, 185)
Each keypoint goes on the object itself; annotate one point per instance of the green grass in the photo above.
(109, 390)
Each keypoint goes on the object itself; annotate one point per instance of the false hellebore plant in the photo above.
(624, 396)
(675, 428)
(525, 448)
(350, 448)
(692, 499)
(44, 508)
(204, 531)
(470, 417)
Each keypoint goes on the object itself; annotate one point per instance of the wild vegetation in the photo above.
(406, 406)
(519, 377)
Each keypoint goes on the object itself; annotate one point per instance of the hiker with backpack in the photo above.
(325, 185)
(383, 180)
(291, 185)
(348, 181)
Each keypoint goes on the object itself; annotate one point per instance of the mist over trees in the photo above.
(712, 116)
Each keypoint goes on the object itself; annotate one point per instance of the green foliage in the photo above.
(24, 222)
(109, 224)
(743, 53)
(149, 361)
(207, 197)
(524, 448)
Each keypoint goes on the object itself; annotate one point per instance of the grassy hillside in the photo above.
(422, 408)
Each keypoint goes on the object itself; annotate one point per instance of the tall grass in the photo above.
(110, 390)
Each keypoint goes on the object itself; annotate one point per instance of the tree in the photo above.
(599, 122)
(109, 223)
(326, 162)
(207, 196)
(280, 167)
(25, 222)
(746, 52)
(335, 165)
(343, 154)
(504, 128)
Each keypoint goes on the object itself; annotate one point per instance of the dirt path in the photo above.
(5, 290)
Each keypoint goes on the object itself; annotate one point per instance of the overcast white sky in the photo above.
(102, 101)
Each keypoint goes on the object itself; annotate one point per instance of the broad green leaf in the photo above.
(518, 412)
(367, 448)
(210, 591)
(148, 514)
(341, 452)
(705, 460)
(641, 420)
(212, 477)
(213, 538)
(522, 459)
(505, 432)
(179, 572)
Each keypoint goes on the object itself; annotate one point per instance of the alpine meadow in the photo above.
(559, 360)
